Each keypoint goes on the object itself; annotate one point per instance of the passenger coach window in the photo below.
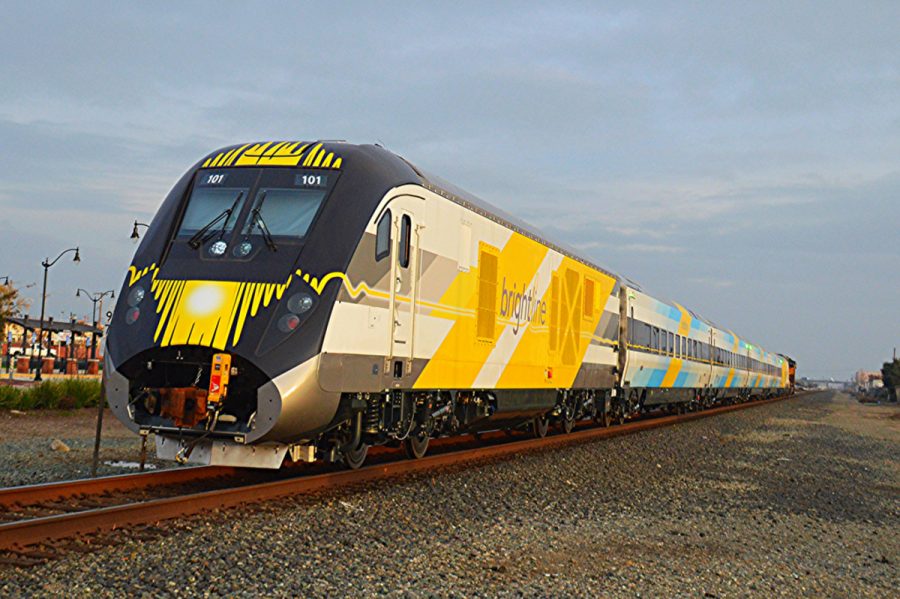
(383, 237)
(405, 226)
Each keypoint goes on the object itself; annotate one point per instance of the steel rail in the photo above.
(33, 494)
(18, 535)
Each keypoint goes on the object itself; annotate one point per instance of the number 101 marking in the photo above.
(312, 180)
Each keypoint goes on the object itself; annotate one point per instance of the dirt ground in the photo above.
(51, 424)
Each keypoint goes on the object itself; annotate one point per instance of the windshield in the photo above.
(213, 198)
(286, 212)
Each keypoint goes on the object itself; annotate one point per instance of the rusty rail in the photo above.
(17, 535)
(31, 494)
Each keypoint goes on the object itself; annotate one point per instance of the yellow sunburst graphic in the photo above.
(280, 153)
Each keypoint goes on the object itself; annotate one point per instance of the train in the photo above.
(301, 301)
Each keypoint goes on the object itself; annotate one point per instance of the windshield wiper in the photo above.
(257, 221)
(200, 237)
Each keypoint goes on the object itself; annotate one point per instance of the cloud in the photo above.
(683, 146)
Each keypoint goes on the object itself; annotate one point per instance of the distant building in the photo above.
(67, 338)
(868, 379)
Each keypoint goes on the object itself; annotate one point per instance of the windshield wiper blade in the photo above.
(257, 221)
(267, 236)
(200, 237)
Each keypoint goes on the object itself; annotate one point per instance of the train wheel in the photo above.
(591, 410)
(540, 425)
(354, 458)
(603, 419)
(567, 424)
(416, 446)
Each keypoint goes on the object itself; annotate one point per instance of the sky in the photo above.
(741, 160)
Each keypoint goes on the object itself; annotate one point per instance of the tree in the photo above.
(10, 302)
(890, 375)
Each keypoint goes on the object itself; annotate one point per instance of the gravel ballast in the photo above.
(795, 498)
(27, 454)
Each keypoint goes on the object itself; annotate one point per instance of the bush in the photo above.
(67, 394)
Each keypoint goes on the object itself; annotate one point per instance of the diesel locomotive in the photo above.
(307, 300)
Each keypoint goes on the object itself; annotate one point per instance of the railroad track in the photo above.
(137, 503)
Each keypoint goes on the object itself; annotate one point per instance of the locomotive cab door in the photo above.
(405, 263)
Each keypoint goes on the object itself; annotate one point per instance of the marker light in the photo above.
(132, 314)
(288, 323)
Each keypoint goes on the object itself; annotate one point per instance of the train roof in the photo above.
(472, 202)
(339, 154)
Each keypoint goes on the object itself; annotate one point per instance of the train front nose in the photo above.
(238, 416)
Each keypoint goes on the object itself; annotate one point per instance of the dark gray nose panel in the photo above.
(115, 388)
(268, 409)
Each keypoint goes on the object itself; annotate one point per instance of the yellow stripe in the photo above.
(173, 317)
(327, 162)
(684, 325)
(311, 154)
(257, 296)
(166, 306)
(237, 153)
(274, 148)
(218, 160)
(671, 372)
(160, 297)
(228, 156)
(242, 312)
(280, 291)
(337, 163)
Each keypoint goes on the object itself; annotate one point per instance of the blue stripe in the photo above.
(656, 378)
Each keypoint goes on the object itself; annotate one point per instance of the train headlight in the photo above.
(136, 296)
(132, 314)
(300, 303)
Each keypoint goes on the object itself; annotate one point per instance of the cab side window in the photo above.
(405, 229)
(383, 237)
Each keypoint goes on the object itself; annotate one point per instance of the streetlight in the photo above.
(134, 232)
(96, 297)
(47, 264)
(8, 281)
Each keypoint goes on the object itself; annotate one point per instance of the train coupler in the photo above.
(185, 406)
